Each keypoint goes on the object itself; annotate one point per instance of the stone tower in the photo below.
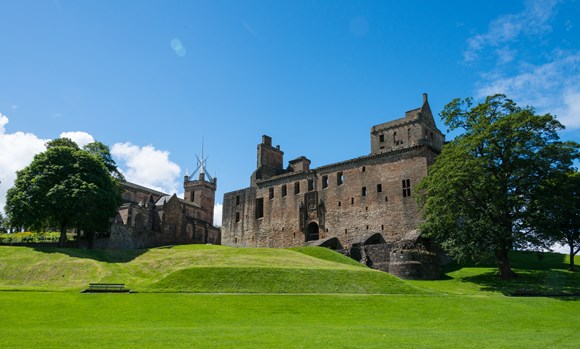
(416, 128)
(201, 191)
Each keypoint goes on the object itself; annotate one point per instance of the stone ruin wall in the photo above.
(345, 213)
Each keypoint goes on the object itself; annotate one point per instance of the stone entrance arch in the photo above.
(312, 232)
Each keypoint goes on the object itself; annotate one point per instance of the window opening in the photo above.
(297, 188)
(237, 199)
(339, 178)
(363, 191)
(271, 193)
(379, 188)
(406, 188)
(381, 138)
(324, 182)
(310, 185)
(284, 190)
(259, 208)
(237, 217)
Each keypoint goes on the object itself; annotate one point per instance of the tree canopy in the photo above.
(476, 195)
(64, 187)
(555, 212)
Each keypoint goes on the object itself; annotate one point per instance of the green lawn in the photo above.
(73, 320)
(467, 309)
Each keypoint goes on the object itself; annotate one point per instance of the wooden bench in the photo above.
(94, 287)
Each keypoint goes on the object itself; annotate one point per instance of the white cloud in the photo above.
(18, 150)
(79, 137)
(217, 215)
(532, 21)
(552, 87)
(147, 166)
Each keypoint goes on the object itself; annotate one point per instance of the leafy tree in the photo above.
(101, 150)
(475, 196)
(62, 142)
(63, 187)
(555, 212)
(3, 224)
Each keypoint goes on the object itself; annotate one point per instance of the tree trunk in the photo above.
(503, 264)
(62, 238)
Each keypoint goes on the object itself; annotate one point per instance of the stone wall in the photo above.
(341, 203)
(370, 198)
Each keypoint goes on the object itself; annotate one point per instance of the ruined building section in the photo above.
(150, 218)
(363, 206)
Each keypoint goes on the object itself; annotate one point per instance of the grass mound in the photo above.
(283, 280)
(194, 268)
(327, 255)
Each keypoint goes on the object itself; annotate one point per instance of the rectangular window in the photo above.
(339, 178)
(297, 188)
(259, 208)
(271, 193)
(381, 138)
(237, 200)
(284, 190)
(310, 184)
(237, 217)
(324, 182)
(363, 169)
(352, 201)
(379, 188)
(406, 188)
(363, 191)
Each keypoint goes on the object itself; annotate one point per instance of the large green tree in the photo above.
(64, 187)
(102, 150)
(475, 196)
(3, 224)
(555, 212)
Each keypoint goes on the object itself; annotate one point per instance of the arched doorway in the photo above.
(312, 232)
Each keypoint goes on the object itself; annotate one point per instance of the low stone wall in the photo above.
(413, 260)
(126, 237)
(414, 264)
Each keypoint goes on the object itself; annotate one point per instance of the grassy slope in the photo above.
(465, 310)
(194, 268)
(544, 273)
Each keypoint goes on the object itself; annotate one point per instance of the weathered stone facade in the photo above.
(346, 201)
(149, 218)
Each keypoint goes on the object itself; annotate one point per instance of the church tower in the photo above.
(201, 189)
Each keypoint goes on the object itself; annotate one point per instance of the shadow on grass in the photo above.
(107, 256)
(539, 274)
(518, 260)
(530, 283)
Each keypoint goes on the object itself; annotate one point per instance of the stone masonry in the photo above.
(149, 218)
(347, 202)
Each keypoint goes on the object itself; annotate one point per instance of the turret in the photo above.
(417, 127)
(201, 190)
(270, 160)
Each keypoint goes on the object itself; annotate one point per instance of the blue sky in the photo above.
(152, 78)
